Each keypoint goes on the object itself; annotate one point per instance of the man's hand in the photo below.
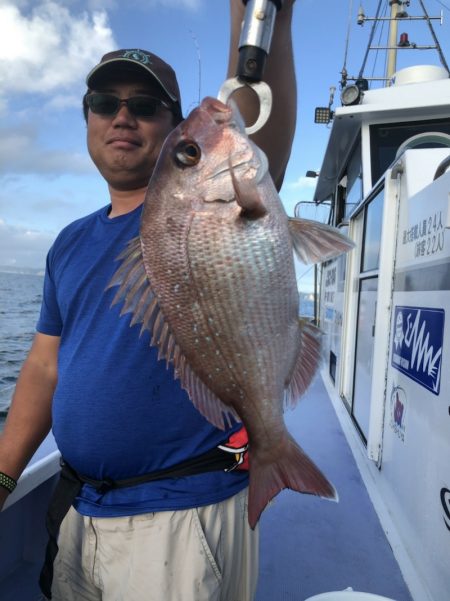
(29, 418)
(276, 137)
(4, 494)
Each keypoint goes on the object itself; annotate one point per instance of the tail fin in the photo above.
(293, 469)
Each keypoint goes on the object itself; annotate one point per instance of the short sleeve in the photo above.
(50, 321)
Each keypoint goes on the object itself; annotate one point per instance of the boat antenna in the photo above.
(344, 72)
(438, 46)
(372, 33)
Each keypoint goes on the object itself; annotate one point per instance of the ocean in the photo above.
(20, 301)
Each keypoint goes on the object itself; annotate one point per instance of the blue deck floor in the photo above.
(309, 545)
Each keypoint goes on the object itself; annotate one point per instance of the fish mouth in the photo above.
(225, 166)
(221, 113)
(217, 111)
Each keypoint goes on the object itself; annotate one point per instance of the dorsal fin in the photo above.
(139, 299)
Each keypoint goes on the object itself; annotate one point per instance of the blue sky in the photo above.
(47, 47)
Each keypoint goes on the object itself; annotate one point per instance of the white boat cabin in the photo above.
(385, 308)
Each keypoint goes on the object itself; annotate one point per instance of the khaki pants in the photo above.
(204, 554)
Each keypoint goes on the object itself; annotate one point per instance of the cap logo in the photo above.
(137, 56)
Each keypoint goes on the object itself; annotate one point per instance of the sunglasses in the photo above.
(138, 106)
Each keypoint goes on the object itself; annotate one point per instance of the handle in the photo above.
(256, 37)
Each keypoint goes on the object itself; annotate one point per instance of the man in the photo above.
(116, 413)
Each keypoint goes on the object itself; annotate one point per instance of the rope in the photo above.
(372, 33)
(347, 42)
(441, 56)
(442, 4)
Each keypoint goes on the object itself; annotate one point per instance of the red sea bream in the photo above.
(212, 276)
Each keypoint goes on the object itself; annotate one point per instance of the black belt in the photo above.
(71, 482)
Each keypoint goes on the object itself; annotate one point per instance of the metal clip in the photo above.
(263, 92)
(254, 47)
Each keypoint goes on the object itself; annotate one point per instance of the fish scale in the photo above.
(208, 268)
(220, 294)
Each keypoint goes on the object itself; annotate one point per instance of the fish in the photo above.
(212, 277)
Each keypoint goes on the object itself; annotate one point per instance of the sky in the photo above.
(48, 46)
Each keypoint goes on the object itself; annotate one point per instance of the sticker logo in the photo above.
(417, 345)
(399, 405)
(137, 55)
(445, 500)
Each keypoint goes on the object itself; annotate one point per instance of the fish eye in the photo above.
(187, 153)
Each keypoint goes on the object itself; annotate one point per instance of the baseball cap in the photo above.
(138, 60)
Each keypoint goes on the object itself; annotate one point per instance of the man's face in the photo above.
(124, 147)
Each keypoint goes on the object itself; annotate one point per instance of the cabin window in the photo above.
(333, 363)
(369, 219)
(372, 233)
(385, 140)
(350, 186)
(354, 193)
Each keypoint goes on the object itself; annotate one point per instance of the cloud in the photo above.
(49, 47)
(192, 5)
(102, 4)
(21, 153)
(64, 101)
(110, 5)
(23, 247)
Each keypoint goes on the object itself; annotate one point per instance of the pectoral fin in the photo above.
(314, 242)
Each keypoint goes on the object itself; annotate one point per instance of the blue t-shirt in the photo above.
(118, 412)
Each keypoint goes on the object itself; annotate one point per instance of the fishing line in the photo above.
(443, 5)
(199, 60)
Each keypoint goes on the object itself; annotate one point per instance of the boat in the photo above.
(385, 307)
(377, 419)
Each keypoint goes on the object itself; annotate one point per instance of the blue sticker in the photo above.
(417, 345)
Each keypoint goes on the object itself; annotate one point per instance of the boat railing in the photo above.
(6, 392)
(43, 466)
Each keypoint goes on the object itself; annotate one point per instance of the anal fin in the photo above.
(307, 363)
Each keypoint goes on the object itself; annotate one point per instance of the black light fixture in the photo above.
(350, 95)
(353, 93)
(323, 114)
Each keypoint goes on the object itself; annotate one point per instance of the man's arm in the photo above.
(275, 138)
(29, 418)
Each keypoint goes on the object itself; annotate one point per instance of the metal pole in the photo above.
(392, 43)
